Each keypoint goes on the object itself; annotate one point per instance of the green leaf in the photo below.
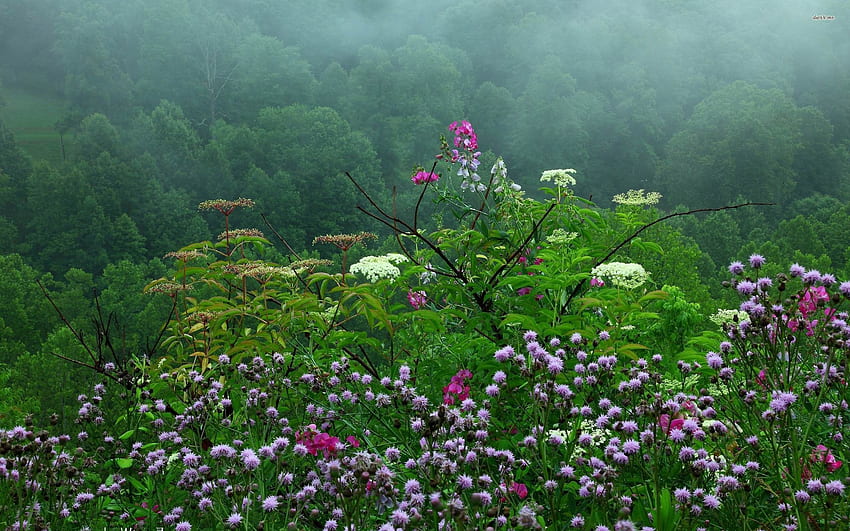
(124, 462)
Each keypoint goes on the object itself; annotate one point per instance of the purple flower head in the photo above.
(834, 488)
(736, 268)
(811, 277)
(745, 287)
(797, 270)
(756, 261)
(233, 520)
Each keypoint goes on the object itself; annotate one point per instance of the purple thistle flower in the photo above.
(711, 501)
(736, 268)
(222, 450)
(250, 459)
(504, 354)
(183, 526)
(797, 270)
(802, 496)
(814, 485)
(270, 504)
(464, 481)
(233, 520)
(745, 287)
(811, 277)
(756, 261)
(835, 488)
(714, 360)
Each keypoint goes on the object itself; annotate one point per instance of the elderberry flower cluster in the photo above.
(622, 275)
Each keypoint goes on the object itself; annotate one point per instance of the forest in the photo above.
(246, 198)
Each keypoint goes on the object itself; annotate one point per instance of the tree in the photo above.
(95, 78)
(25, 315)
(66, 227)
(269, 74)
(741, 140)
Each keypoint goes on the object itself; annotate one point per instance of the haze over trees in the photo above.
(169, 103)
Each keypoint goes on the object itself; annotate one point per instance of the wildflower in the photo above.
(224, 206)
(519, 489)
(375, 268)
(345, 242)
(561, 178)
(422, 177)
(596, 282)
(457, 387)
(822, 454)
(417, 299)
(835, 488)
(234, 520)
(250, 459)
(637, 198)
(622, 275)
(756, 261)
(270, 504)
(561, 237)
(797, 270)
(724, 317)
(183, 526)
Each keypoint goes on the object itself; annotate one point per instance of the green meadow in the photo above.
(32, 116)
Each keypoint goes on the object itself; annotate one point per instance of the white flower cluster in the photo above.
(723, 317)
(562, 178)
(396, 258)
(622, 275)
(375, 268)
(637, 197)
(561, 237)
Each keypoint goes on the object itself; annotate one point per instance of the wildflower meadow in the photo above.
(506, 360)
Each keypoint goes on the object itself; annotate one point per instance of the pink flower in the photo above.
(811, 298)
(668, 425)
(314, 442)
(823, 455)
(596, 282)
(457, 387)
(352, 440)
(422, 177)
(519, 489)
(417, 299)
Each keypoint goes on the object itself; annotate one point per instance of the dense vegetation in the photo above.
(118, 121)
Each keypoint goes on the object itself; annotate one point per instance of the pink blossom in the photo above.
(422, 177)
(417, 299)
(457, 387)
(823, 455)
(597, 282)
(667, 425)
(314, 441)
(811, 298)
(520, 489)
(352, 440)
